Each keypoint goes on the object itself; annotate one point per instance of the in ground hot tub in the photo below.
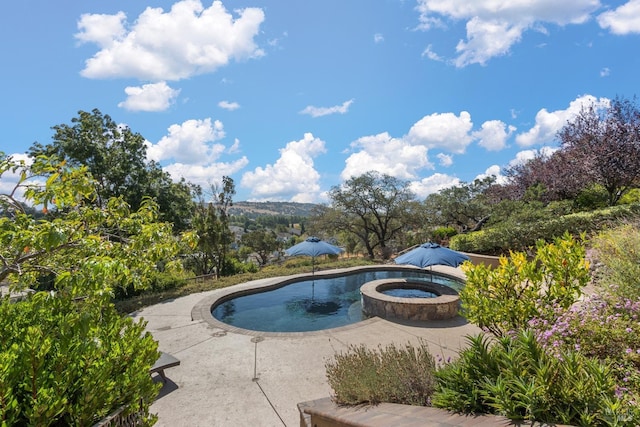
(431, 301)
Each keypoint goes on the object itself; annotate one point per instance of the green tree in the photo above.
(67, 357)
(374, 207)
(466, 206)
(211, 223)
(117, 159)
(262, 244)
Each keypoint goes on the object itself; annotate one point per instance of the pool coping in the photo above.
(202, 310)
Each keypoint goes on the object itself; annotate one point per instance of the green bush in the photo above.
(516, 378)
(602, 329)
(511, 235)
(67, 362)
(503, 299)
(390, 374)
(442, 233)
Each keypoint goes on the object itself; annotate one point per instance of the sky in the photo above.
(291, 98)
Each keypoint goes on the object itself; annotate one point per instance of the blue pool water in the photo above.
(311, 305)
(409, 293)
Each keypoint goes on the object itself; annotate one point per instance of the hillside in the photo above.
(253, 209)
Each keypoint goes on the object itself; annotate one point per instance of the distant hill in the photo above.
(253, 209)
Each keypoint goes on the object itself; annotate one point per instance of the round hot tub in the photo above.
(424, 301)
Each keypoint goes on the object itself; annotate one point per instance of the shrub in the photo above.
(505, 298)
(603, 329)
(516, 378)
(519, 235)
(390, 374)
(618, 253)
(66, 362)
(442, 233)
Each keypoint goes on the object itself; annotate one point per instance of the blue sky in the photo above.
(292, 98)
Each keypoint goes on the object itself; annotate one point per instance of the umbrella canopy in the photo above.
(429, 254)
(313, 247)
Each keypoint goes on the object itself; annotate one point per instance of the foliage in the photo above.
(545, 178)
(373, 207)
(592, 198)
(443, 233)
(503, 299)
(600, 149)
(465, 206)
(390, 374)
(516, 378)
(211, 223)
(261, 244)
(296, 265)
(602, 328)
(89, 249)
(631, 196)
(66, 362)
(607, 145)
(117, 159)
(522, 231)
(618, 253)
(67, 356)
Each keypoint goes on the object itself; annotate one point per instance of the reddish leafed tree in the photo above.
(603, 146)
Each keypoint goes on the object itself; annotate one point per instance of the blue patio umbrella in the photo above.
(313, 247)
(429, 254)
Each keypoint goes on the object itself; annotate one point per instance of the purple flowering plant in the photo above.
(606, 328)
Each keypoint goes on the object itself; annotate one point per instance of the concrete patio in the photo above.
(229, 377)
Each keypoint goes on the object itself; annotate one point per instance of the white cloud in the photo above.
(384, 154)
(445, 159)
(190, 142)
(524, 156)
(624, 19)
(494, 26)
(605, 72)
(496, 171)
(432, 184)
(235, 148)
(378, 38)
(442, 130)
(324, 111)
(549, 123)
(149, 97)
(230, 106)
(429, 53)
(205, 175)
(292, 177)
(493, 135)
(486, 39)
(187, 40)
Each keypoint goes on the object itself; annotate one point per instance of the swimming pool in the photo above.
(311, 304)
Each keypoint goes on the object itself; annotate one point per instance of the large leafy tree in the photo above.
(600, 152)
(66, 356)
(548, 177)
(261, 244)
(466, 206)
(373, 207)
(117, 159)
(603, 146)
